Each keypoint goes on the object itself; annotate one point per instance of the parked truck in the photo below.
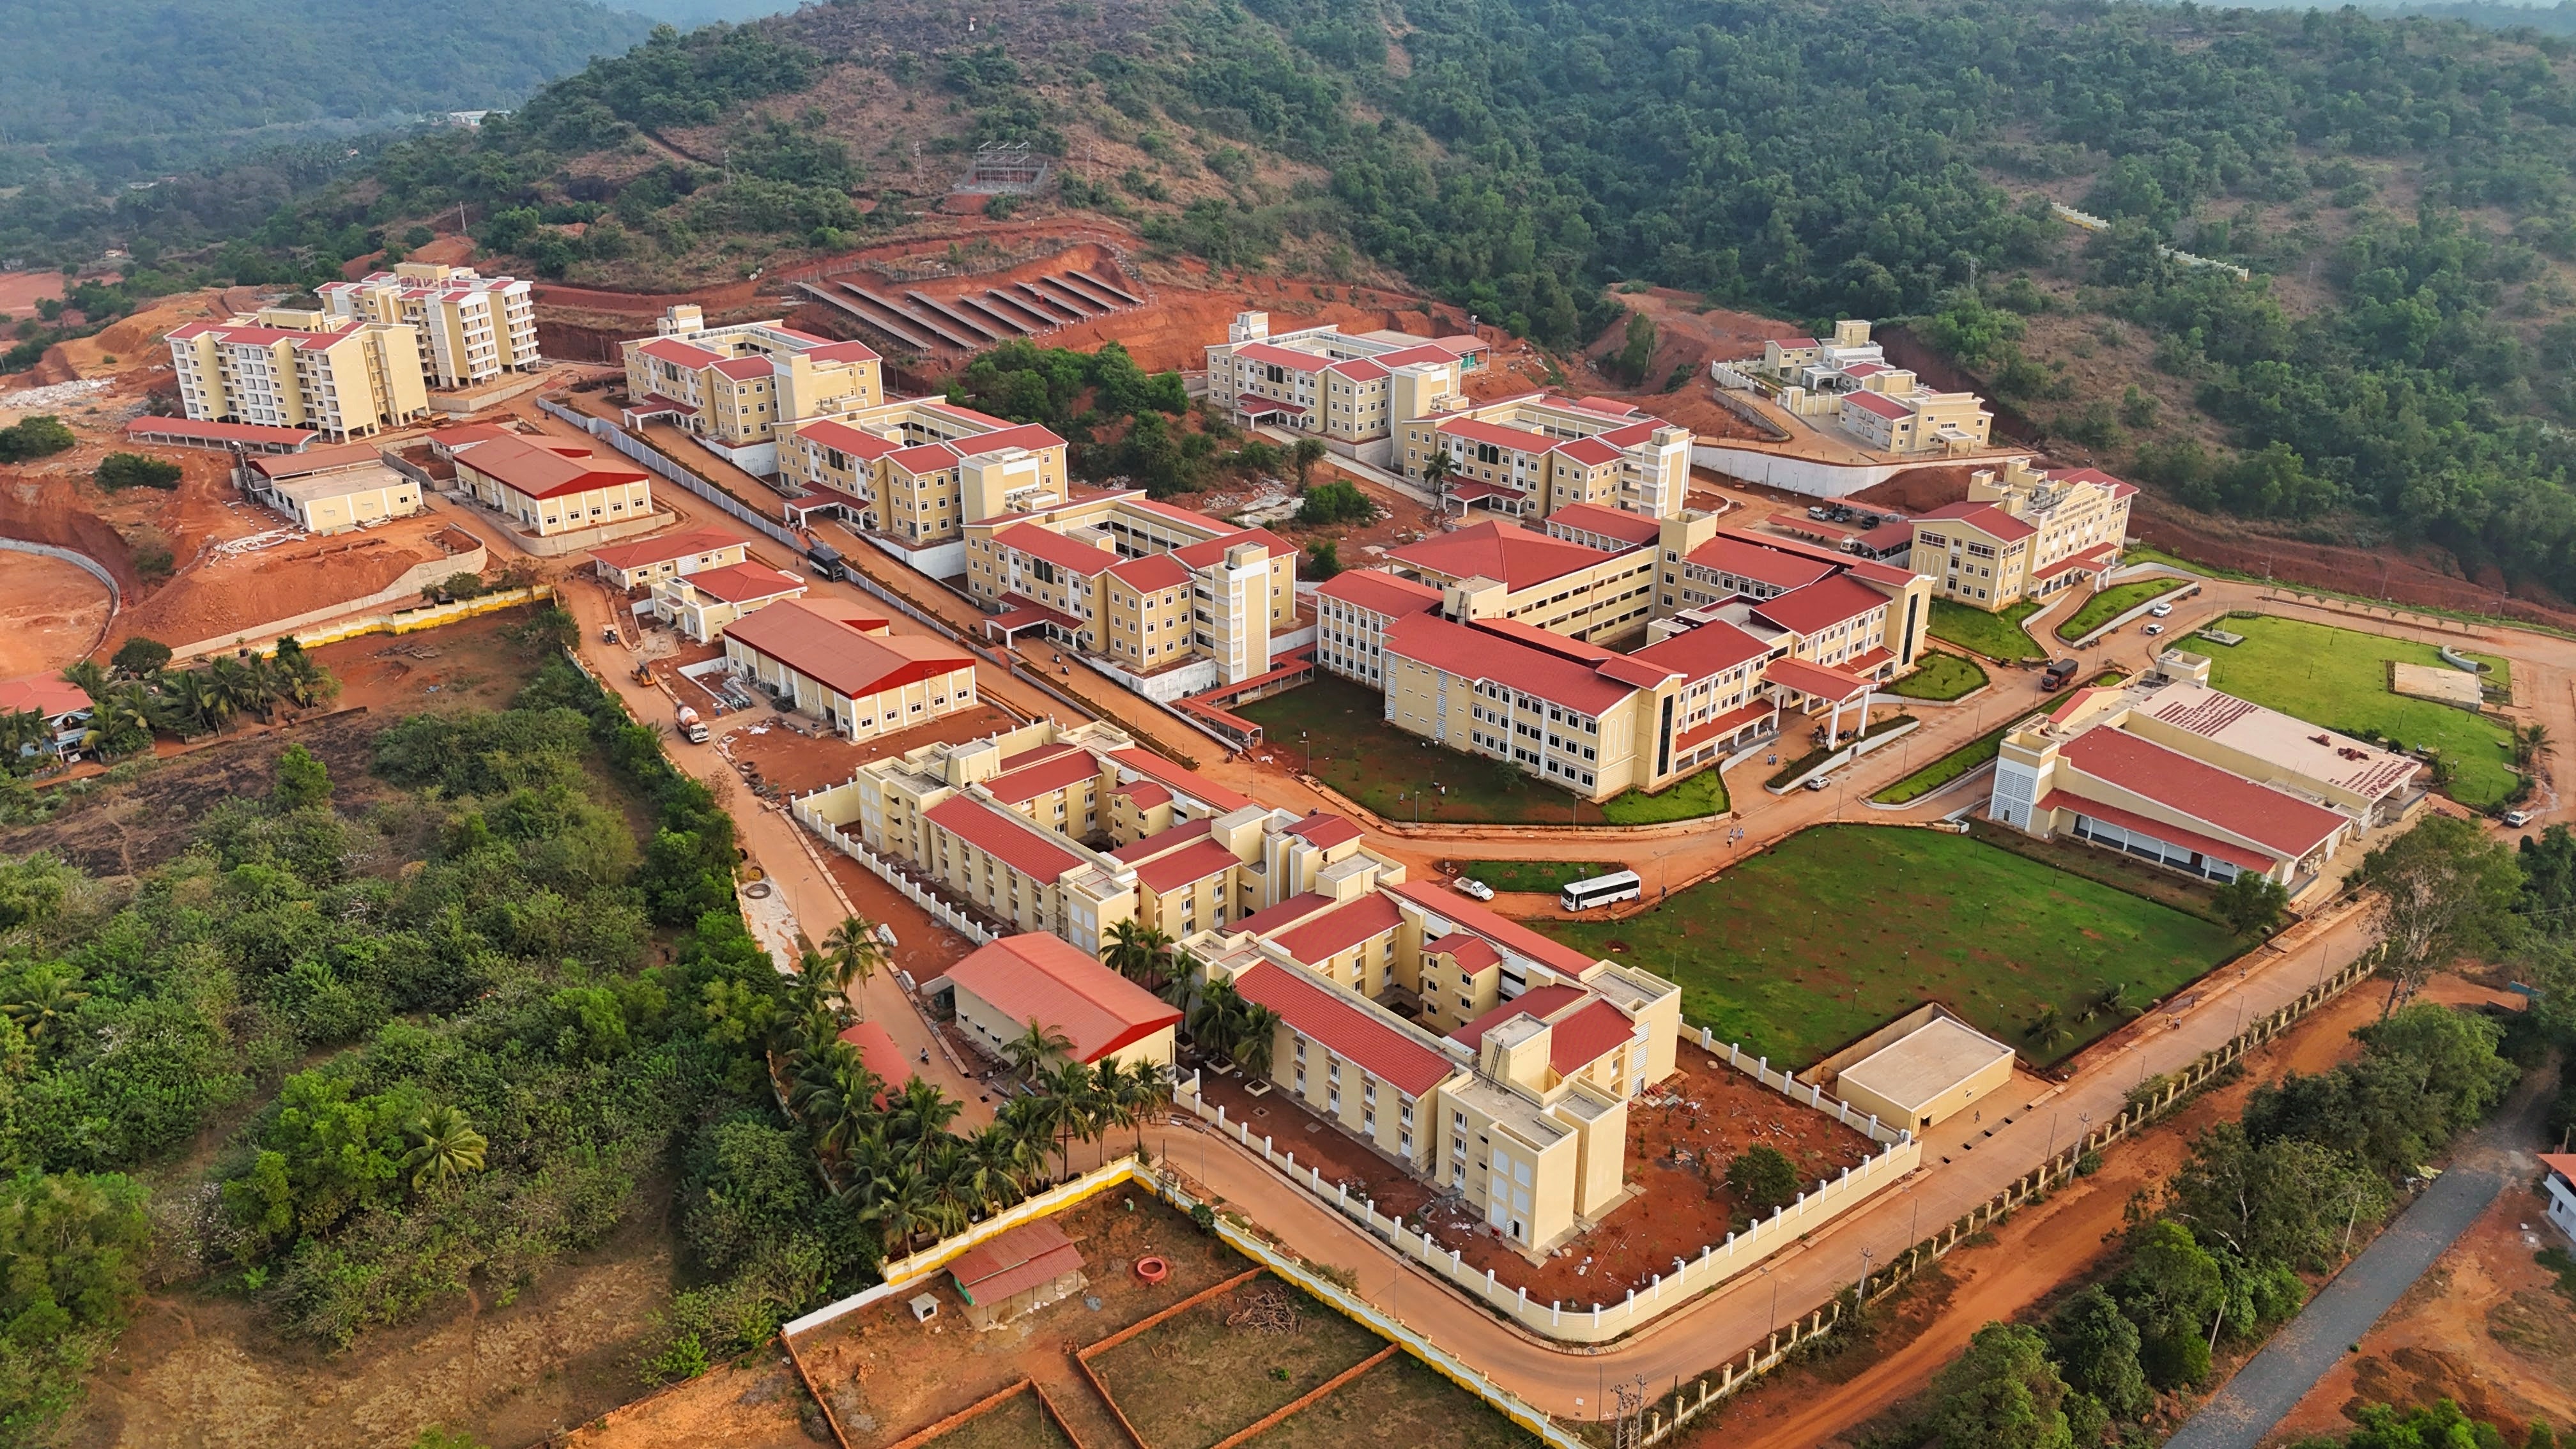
(2057, 676)
(692, 729)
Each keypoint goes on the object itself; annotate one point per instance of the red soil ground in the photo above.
(1677, 1160)
(51, 613)
(21, 291)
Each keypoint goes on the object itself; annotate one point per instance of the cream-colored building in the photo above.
(2175, 773)
(332, 490)
(1346, 387)
(1002, 989)
(1886, 409)
(1143, 584)
(922, 469)
(1927, 1076)
(702, 604)
(1893, 412)
(1528, 456)
(2024, 533)
(669, 555)
(740, 388)
(283, 367)
(472, 328)
(849, 669)
(548, 487)
(1499, 570)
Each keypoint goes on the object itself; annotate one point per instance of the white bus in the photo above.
(1603, 890)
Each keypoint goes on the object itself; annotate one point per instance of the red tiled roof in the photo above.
(214, 432)
(1380, 592)
(1633, 528)
(1477, 490)
(1990, 519)
(1712, 648)
(1579, 1040)
(924, 457)
(879, 1054)
(1509, 934)
(1725, 724)
(2098, 556)
(520, 465)
(1180, 779)
(1065, 553)
(1145, 794)
(1590, 452)
(1347, 1029)
(1358, 369)
(857, 442)
(1000, 1268)
(1165, 842)
(2279, 822)
(1538, 1001)
(1340, 929)
(43, 693)
(1263, 406)
(1033, 437)
(1211, 550)
(1883, 406)
(1774, 567)
(841, 352)
(1615, 407)
(835, 652)
(465, 433)
(2562, 1163)
(669, 546)
(993, 1271)
(1020, 786)
(1324, 830)
(744, 369)
(1026, 758)
(1043, 978)
(1270, 354)
(743, 582)
(1171, 872)
(680, 354)
(1815, 679)
(2241, 856)
(315, 460)
(1482, 654)
(1472, 953)
(1439, 351)
(1858, 568)
(1477, 430)
(1522, 558)
(1151, 574)
(1821, 605)
(1285, 914)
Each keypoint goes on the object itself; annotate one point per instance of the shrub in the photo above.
(134, 470)
(37, 437)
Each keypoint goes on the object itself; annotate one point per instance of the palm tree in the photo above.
(44, 1000)
(242, 687)
(90, 675)
(2530, 743)
(837, 1096)
(953, 1202)
(1256, 1033)
(998, 1165)
(813, 993)
(904, 1203)
(22, 733)
(445, 1146)
(1435, 471)
(854, 952)
(303, 681)
(1075, 1091)
(196, 702)
(1139, 952)
(1032, 1052)
(1181, 988)
(919, 1115)
(121, 721)
(1143, 1090)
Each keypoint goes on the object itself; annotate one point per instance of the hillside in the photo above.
(2399, 191)
(115, 89)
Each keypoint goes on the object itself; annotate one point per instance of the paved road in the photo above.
(2273, 1382)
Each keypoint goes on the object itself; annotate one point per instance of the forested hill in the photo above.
(2402, 191)
(121, 88)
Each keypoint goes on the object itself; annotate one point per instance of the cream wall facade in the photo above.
(922, 469)
(745, 384)
(319, 507)
(862, 718)
(471, 328)
(563, 513)
(285, 368)
(1554, 451)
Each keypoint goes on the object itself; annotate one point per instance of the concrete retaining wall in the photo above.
(414, 579)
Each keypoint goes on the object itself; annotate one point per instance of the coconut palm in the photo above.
(121, 720)
(22, 733)
(242, 686)
(999, 1165)
(1075, 1092)
(918, 1117)
(1034, 1051)
(904, 1204)
(194, 702)
(1140, 953)
(1255, 1037)
(837, 1096)
(853, 952)
(89, 674)
(1435, 471)
(44, 1001)
(811, 990)
(2530, 743)
(445, 1147)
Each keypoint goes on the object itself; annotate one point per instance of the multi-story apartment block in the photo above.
(2024, 534)
(472, 328)
(283, 367)
(1345, 387)
(1531, 455)
(921, 469)
(549, 487)
(1497, 570)
(1151, 587)
(1508, 1076)
(1352, 611)
(740, 388)
(1887, 409)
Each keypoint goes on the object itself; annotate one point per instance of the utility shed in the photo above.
(1017, 1273)
(1937, 1070)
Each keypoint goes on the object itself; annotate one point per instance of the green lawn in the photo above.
(1942, 677)
(1405, 777)
(1537, 877)
(2339, 678)
(1947, 768)
(2113, 602)
(1809, 945)
(1997, 635)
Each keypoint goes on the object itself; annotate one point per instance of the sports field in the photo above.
(1829, 934)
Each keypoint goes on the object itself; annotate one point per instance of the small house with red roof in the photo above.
(1011, 1275)
(846, 667)
(702, 602)
(669, 555)
(1001, 989)
(62, 706)
(548, 487)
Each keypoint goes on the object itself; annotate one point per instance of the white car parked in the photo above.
(2159, 610)
(1474, 889)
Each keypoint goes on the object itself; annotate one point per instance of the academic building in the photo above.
(2022, 533)
(1344, 387)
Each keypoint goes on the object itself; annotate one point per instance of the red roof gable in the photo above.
(1033, 437)
(680, 354)
(1509, 934)
(1324, 830)
(1712, 648)
(1018, 787)
(1821, 605)
(1011, 1263)
(1380, 592)
(1166, 873)
(1538, 1001)
(2279, 822)
(1878, 403)
(669, 546)
(1065, 553)
(1618, 523)
(1340, 929)
(1590, 452)
(1484, 654)
(1522, 558)
(835, 651)
(1775, 568)
(1991, 519)
(1284, 915)
(879, 1054)
(1165, 842)
(2243, 857)
(743, 582)
(1181, 779)
(1347, 1029)
(1272, 355)
(842, 437)
(44, 694)
(1043, 978)
(544, 472)
(1151, 574)
(1472, 953)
